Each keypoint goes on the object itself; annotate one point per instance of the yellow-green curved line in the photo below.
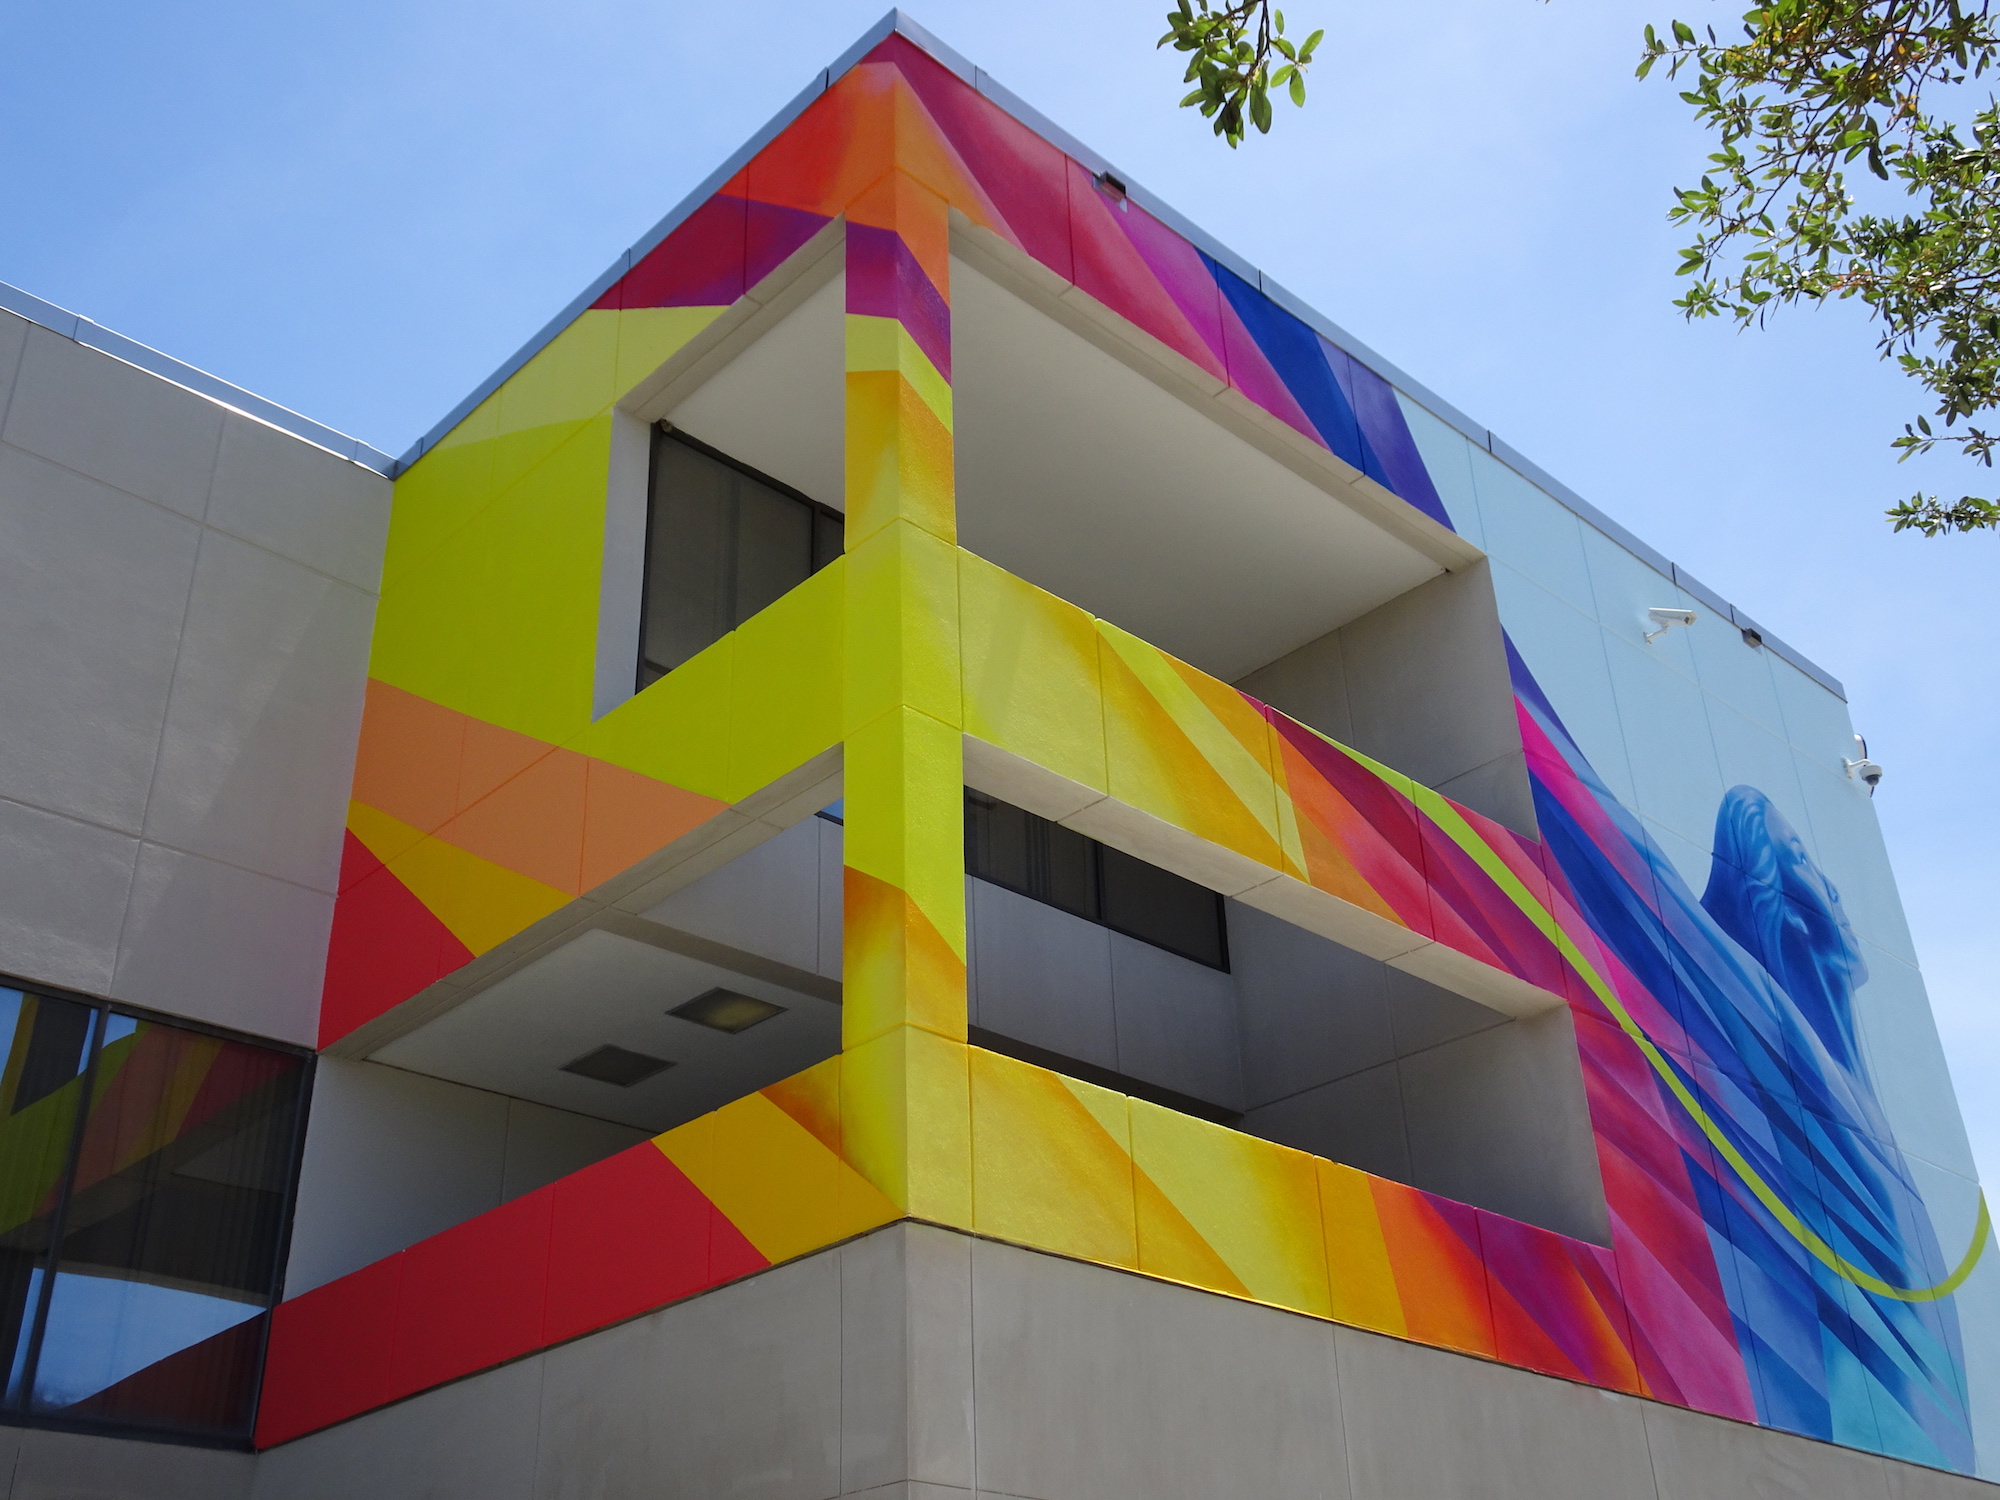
(1445, 816)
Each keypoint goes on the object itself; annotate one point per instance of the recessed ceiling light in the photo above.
(725, 1010)
(617, 1065)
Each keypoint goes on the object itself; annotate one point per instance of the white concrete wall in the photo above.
(1350, 1059)
(918, 1364)
(186, 596)
(1314, 1045)
(1420, 684)
(781, 900)
(1057, 982)
(394, 1157)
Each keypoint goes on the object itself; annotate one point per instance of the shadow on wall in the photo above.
(1420, 684)
(1295, 1039)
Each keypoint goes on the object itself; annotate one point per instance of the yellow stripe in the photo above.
(1242, 772)
(885, 344)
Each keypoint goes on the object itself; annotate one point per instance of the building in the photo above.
(940, 846)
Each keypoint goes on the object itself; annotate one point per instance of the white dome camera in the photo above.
(1864, 770)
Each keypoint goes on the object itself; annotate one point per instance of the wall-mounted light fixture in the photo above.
(1864, 769)
(1667, 619)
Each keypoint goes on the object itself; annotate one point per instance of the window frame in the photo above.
(21, 1412)
(665, 432)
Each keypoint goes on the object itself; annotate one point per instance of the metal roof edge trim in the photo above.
(897, 23)
(1657, 561)
(93, 335)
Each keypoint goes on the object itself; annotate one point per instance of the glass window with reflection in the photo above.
(146, 1175)
(722, 541)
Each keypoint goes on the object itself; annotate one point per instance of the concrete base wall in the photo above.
(919, 1364)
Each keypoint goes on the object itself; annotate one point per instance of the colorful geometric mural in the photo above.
(1770, 1258)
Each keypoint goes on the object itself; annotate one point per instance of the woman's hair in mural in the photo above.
(1765, 891)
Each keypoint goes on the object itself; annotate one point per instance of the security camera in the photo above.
(1667, 619)
(1863, 769)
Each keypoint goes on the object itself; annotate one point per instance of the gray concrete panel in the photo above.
(258, 751)
(1428, 688)
(734, 1393)
(765, 901)
(1912, 1482)
(937, 1267)
(98, 582)
(113, 421)
(1092, 1383)
(875, 1323)
(13, 339)
(1423, 1015)
(906, 1359)
(596, 1419)
(63, 886)
(1426, 1425)
(1357, 1120)
(1500, 1119)
(1043, 976)
(300, 502)
(1176, 1022)
(1310, 685)
(76, 1466)
(476, 1439)
(1309, 1010)
(1421, 684)
(224, 945)
(754, 1370)
(545, 1144)
(1698, 1457)
(391, 1158)
(879, 1367)
(1501, 783)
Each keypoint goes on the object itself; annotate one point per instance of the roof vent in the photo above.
(616, 1065)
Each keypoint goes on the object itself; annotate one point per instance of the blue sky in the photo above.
(359, 209)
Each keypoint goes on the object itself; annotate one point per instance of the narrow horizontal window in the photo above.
(1010, 846)
(722, 542)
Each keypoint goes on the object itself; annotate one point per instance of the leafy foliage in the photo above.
(1231, 43)
(1810, 89)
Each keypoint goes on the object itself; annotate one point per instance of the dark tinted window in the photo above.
(1161, 908)
(162, 1203)
(1011, 847)
(722, 542)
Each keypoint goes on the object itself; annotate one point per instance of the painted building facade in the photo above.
(941, 845)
